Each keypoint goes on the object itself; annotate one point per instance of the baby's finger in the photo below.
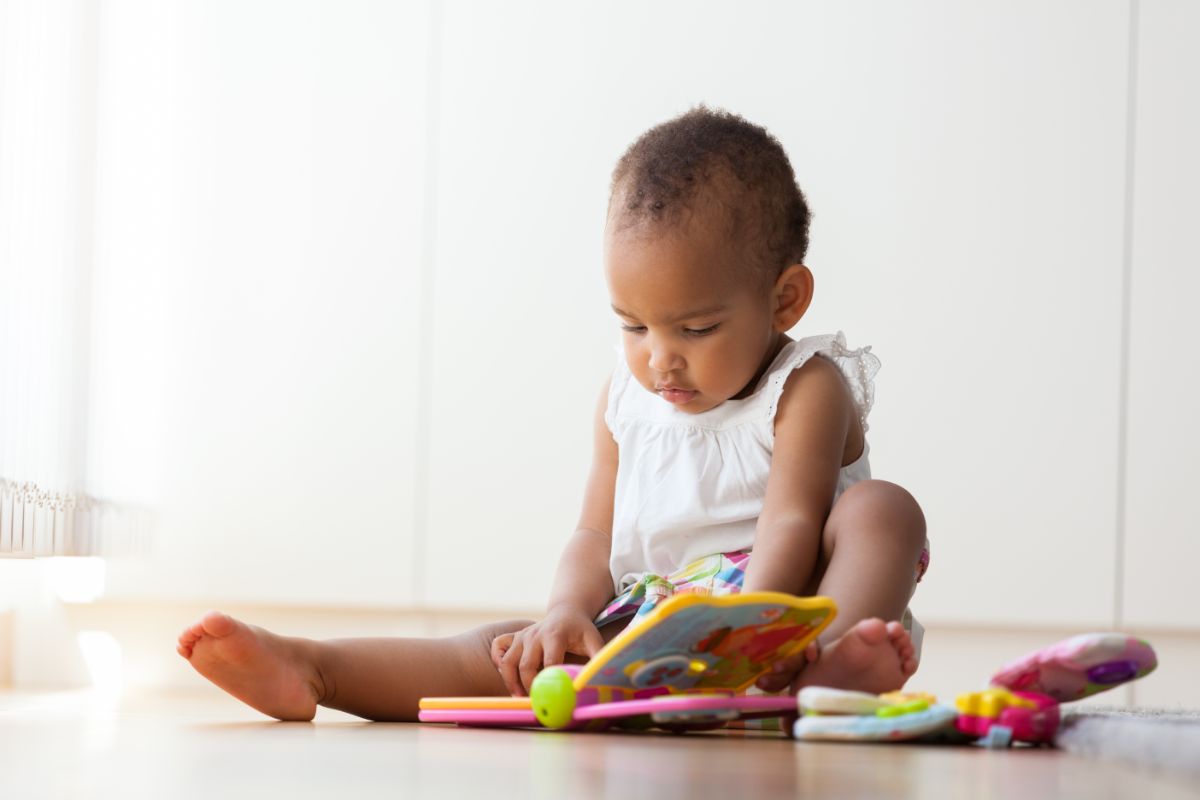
(531, 664)
(773, 683)
(552, 650)
(782, 672)
(510, 667)
(500, 646)
(592, 641)
(790, 664)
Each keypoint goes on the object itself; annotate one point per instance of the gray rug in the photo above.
(1157, 740)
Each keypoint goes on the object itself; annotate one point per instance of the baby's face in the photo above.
(697, 329)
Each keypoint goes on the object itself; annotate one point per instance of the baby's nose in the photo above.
(665, 359)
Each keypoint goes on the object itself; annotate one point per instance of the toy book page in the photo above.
(707, 646)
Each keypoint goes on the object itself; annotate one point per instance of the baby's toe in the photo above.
(871, 631)
(214, 623)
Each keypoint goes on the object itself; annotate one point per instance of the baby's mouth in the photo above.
(676, 395)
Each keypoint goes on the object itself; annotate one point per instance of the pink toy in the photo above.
(1028, 716)
(1080, 666)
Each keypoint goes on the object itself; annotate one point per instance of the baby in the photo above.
(727, 456)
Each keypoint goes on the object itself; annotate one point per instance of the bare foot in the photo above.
(274, 674)
(870, 657)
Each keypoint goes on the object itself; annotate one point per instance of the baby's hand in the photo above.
(784, 673)
(520, 656)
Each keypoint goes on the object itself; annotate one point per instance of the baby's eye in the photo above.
(634, 328)
(701, 331)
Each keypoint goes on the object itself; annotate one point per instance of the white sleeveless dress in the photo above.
(691, 485)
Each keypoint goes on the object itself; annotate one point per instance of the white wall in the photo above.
(1161, 543)
(373, 322)
(263, 174)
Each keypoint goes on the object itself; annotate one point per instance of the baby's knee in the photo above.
(888, 505)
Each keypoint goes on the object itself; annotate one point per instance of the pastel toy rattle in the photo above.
(1079, 667)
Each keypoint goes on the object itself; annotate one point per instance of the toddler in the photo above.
(727, 456)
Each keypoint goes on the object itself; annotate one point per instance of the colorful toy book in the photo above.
(683, 667)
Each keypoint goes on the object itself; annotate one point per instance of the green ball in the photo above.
(553, 697)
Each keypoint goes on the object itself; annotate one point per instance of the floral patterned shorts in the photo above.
(720, 573)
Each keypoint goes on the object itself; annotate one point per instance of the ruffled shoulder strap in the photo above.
(857, 366)
(618, 383)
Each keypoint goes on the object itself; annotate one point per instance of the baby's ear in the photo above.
(793, 292)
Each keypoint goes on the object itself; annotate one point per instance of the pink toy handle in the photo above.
(481, 716)
(753, 705)
(665, 704)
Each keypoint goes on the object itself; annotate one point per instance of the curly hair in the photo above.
(707, 155)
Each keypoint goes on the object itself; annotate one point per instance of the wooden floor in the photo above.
(204, 745)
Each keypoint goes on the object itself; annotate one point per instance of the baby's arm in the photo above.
(812, 423)
(582, 583)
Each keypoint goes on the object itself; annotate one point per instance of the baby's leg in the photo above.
(380, 679)
(869, 551)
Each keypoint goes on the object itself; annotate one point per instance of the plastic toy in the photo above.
(823, 700)
(683, 667)
(1029, 717)
(1080, 666)
(837, 715)
(1022, 704)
